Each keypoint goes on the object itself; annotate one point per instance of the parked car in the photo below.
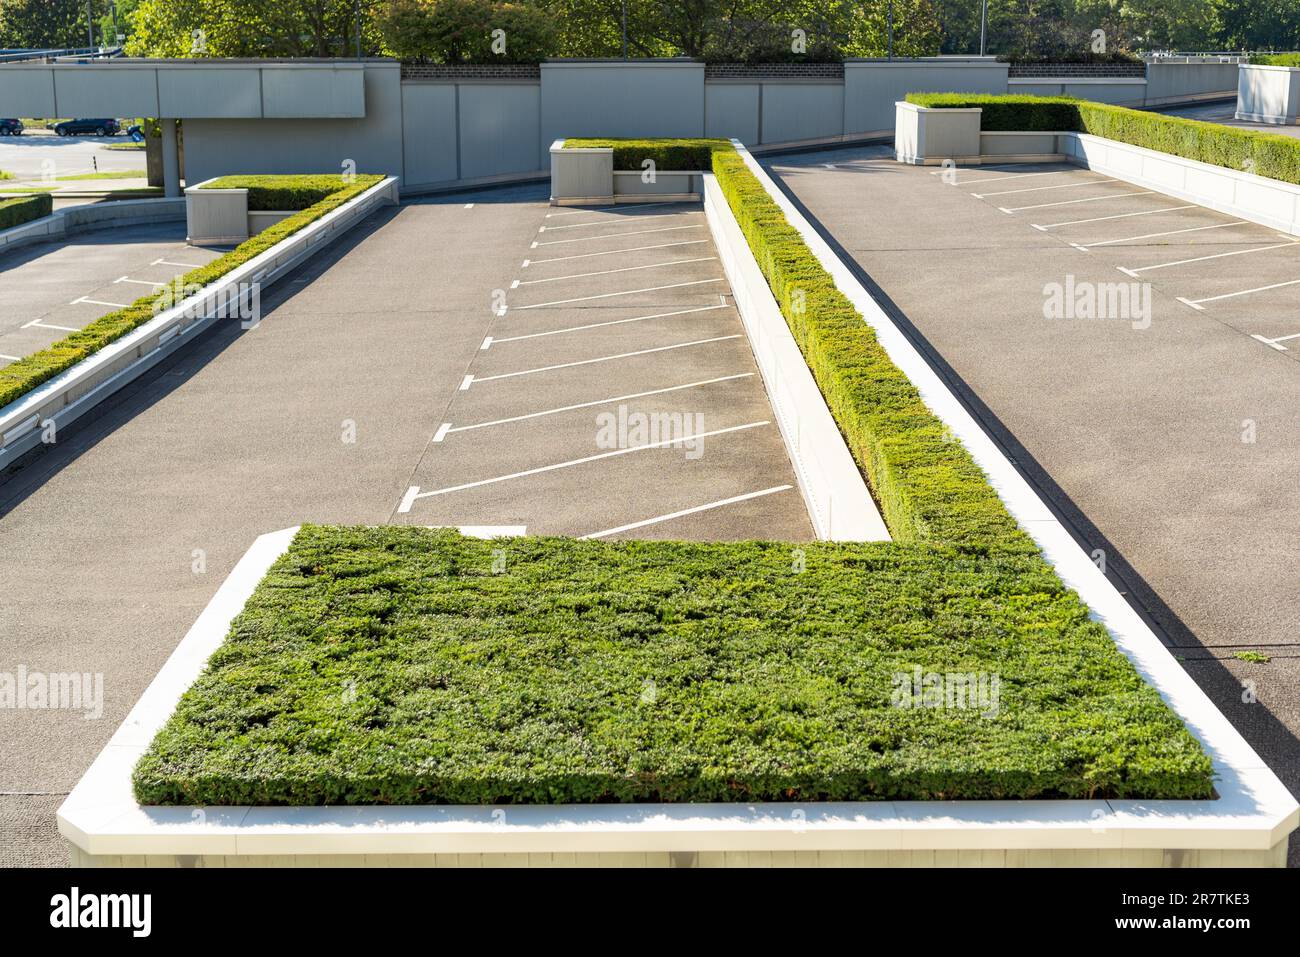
(136, 132)
(11, 127)
(103, 127)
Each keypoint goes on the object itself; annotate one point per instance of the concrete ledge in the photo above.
(926, 136)
(80, 219)
(1258, 199)
(581, 176)
(73, 392)
(838, 500)
(215, 217)
(1268, 94)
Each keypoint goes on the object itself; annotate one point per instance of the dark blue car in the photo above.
(11, 127)
(102, 127)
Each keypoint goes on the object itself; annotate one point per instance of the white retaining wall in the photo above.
(79, 219)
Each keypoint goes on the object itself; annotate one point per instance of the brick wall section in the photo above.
(774, 71)
(471, 71)
(1084, 70)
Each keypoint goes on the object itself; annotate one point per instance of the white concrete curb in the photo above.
(76, 390)
(80, 219)
(837, 498)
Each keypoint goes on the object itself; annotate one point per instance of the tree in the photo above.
(465, 31)
(251, 28)
(42, 24)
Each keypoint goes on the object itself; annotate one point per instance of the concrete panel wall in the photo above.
(26, 91)
(313, 92)
(801, 111)
(871, 87)
(105, 90)
(1121, 90)
(731, 109)
(616, 98)
(429, 122)
(500, 129)
(209, 93)
(219, 147)
(1177, 81)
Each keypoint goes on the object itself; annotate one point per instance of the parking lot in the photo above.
(614, 366)
(1166, 439)
(1240, 273)
(52, 289)
(38, 153)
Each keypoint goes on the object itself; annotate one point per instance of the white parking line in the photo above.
(165, 262)
(1102, 219)
(613, 252)
(10, 358)
(49, 325)
(690, 511)
(447, 428)
(487, 343)
(607, 222)
(1071, 202)
(1273, 343)
(1036, 189)
(98, 302)
(576, 212)
(474, 380)
(1232, 295)
(1170, 232)
(998, 179)
(635, 232)
(610, 272)
(625, 292)
(142, 282)
(1201, 259)
(413, 494)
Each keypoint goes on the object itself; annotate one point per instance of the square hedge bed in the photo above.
(403, 665)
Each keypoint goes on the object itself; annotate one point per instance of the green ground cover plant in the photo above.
(19, 378)
(1276, 59)
(402, 665)
(1265, 154)
(23, 209)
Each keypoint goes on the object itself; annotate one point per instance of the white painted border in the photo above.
(78, 389)
(1255, 811)
(837, 498)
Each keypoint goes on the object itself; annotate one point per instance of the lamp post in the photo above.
(890, 49)
(90, 27)
(357, 7)
(984, 24)
(624, 29)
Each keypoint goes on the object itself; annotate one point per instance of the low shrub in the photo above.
(19, 378)
(283, 192)
(1265, 154)
(668, 155)
(23, 209)
(1276, 59)
(393, 665)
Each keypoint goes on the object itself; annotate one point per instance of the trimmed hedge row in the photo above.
(283, 193)
(23, 209)
(21, 377)
(1265, 154)
(403, 665)
(684, 154)
(1276, 59)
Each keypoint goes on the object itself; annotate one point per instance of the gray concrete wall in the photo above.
(871, 87)
(1167, 82)
(219, 147)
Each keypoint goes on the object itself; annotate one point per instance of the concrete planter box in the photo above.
(926, 137)
(221, 217)
(1268, 94)
(586, 177)
(1014, 147)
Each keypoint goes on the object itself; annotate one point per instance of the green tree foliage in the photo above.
(466, 31)
(42, 24)
(242, 28)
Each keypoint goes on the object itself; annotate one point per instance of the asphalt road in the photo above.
(35, 154)
(1170, 446)
(112, 541)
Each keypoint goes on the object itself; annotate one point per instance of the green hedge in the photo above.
(1276, 59)
(21, 377)
(283, 193)
(1265, 154)
(402, 665)
(23, 209)
(668, 155)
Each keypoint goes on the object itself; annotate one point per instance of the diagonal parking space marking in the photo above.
(617, 221)
(1102, 219)
(1073, 202)
(610, 272)
(140, 282)
(1170, 232)
(1275, 343)
(1037, 189)
(999, 179)
(447, 428)
(168, 262)
(1197, 303)
(612, 252)
(38, 324)
(690, 511)
(98, 302)
(491, 341)
(474, 380)
(1201, 259)
(413, 494)
(635, 232)
(626, 292)
(602, 209)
